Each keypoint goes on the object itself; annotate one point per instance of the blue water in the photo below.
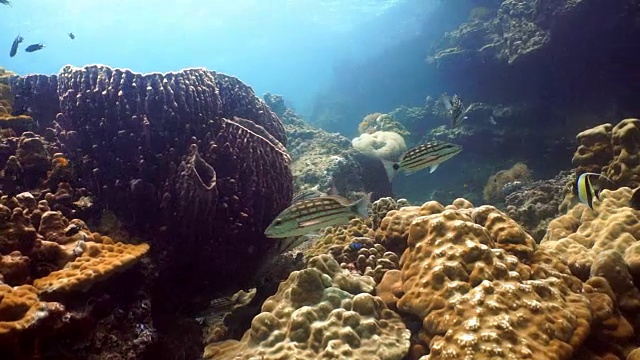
(288, 47)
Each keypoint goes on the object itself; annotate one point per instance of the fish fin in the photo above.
(433, 168)
(635, 199)
(361, 207)
(289, 243)
(391, 168)
(333, 190)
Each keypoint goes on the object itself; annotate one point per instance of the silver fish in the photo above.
(428, 155)
(317, 213)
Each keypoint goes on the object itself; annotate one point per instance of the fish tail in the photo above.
(391, 168)
(362, 206)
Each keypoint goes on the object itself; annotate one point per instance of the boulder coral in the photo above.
(321, 312)
(481, 285)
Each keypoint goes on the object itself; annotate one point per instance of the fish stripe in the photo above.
(436, 157)
(430, 151)
(308, 210)
(320, 214)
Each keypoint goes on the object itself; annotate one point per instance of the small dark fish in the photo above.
(428, 155)
(589, 185)
(71, 36)
(72, 230)
(5, 2)
(635, 199)
(34, 47)
(14, 46)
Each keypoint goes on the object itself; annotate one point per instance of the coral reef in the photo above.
(533, 206)
(505, 182)
(525, 27)
(582, 234)
(381, 122)
(167, 147)
(326, 161)
(382, 206)
(321, 312)
(49, 266)
(18, 123)
(384, 145)
(613, 151)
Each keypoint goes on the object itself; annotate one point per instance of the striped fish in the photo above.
(455, 109)
(317, 213)
(589, 185)
(306, 195)
(428, 155)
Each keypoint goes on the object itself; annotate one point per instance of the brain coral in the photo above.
(321, 312)
(193, 145)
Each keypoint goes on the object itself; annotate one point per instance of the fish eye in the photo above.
(277, 222)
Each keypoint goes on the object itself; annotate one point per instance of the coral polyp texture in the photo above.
(481, 287)
(321, 312)
(194, 146)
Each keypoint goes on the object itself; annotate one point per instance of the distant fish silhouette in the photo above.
(5, 2)
(14, 46)
(34, 47)
(71, 36)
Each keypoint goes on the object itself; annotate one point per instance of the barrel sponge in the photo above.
(386, 145)
(20, 309)
(97, 262)
(321, 312)
(479, 299)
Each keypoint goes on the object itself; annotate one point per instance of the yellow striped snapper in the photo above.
(589, 185)
(428, 155)
(313, 214)
(306, 195)
(455, 109)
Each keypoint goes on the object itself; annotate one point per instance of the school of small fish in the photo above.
(19, 39)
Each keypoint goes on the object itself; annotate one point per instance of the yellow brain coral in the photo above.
(97, 262)
(321, 312)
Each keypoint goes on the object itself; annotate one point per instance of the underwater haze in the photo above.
(308, 179)
(287, 47)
